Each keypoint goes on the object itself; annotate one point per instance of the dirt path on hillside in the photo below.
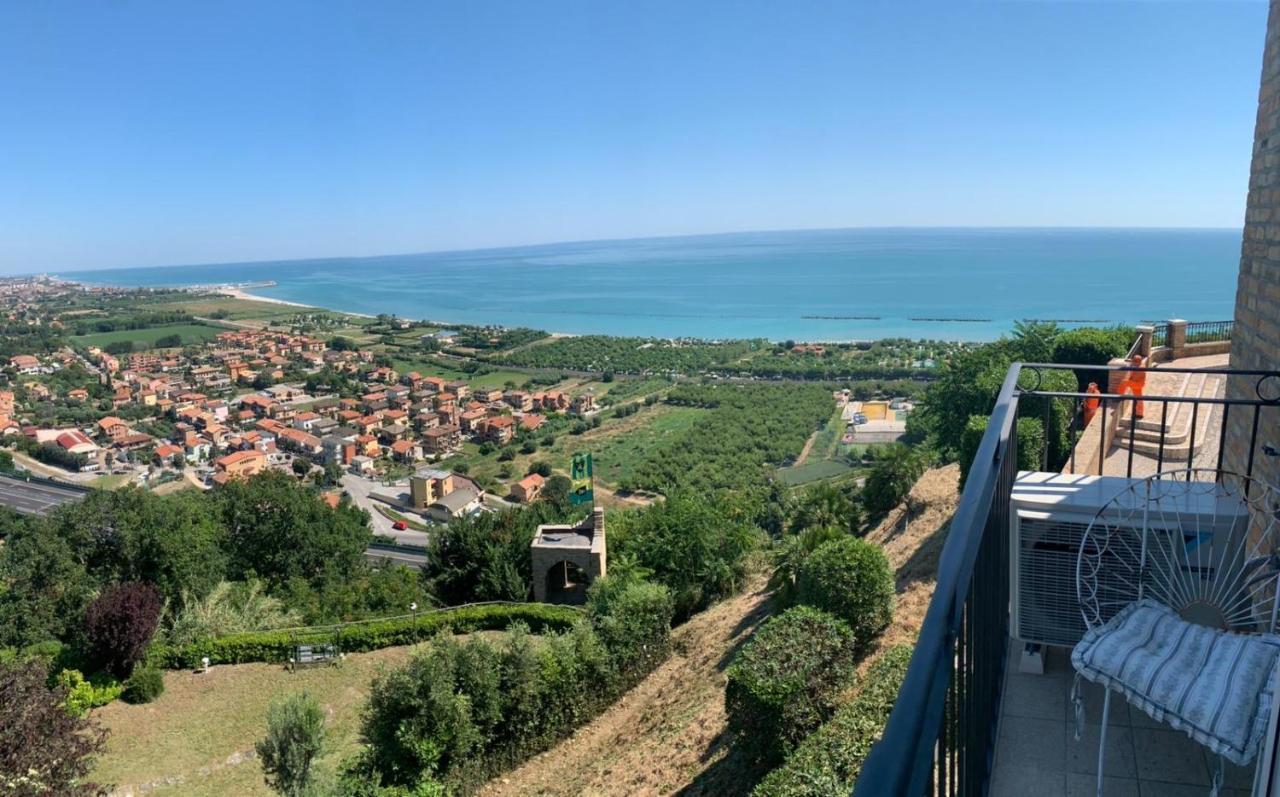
(808, 446)
(665, 736)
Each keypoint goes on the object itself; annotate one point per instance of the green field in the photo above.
(812, 471)
(146, 338)
(235, 309)
(496, 379)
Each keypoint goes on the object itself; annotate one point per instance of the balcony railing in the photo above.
(1209, 331)
(940, 738)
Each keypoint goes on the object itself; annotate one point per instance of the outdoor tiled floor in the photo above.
(1037, 754)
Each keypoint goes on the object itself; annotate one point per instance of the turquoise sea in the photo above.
(965, 284)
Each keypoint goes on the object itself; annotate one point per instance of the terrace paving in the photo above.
(1037, 754)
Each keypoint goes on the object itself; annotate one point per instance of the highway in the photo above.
(35, 498)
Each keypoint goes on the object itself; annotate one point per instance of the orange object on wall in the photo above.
(1091, 404)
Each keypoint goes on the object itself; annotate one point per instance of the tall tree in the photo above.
(278, 529)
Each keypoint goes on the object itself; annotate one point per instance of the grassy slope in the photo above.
(667, 732)
(667, 735)
(197, 739)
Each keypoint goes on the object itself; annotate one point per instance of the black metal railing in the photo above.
(940, 738)
(1209, 331)
(1159, 335)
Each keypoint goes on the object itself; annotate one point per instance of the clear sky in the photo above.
(146, 133)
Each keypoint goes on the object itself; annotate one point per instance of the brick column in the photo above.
(1177, 337)
(1255, 340)
(1145, 333)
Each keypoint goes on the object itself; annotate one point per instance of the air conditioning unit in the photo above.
(1049, 515)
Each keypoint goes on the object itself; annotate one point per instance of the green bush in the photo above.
(895, 472)
(851, 579)
(785, 681)
(83, 695)
(828, 762)
(1031, 443)
(145, 685)
(634, 623)
(458, 713)
(277, 646)
(1090, 346)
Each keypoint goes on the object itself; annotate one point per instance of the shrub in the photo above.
(44, 748)
(82, 695)
(277, 646)
(851, 579)
(1091, 346)
(295, 738)
(828, 762)
(456, 714)
(144, 686)
(792, 552)
(785, 681)
(1031, 443)
(634, 623)
(895, 472)
(119, 624)
(231, 608)
(696, 547)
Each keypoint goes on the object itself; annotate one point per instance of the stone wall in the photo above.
(1255, 343)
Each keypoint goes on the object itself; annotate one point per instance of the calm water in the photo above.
(779, 285)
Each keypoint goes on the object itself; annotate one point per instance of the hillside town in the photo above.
(193, 413)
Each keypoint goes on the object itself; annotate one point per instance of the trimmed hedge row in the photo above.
(828, 762)
(277, 646)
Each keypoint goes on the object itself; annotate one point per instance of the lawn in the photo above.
(146, 338)
(111, 481)
(197, 739)
(497, 379)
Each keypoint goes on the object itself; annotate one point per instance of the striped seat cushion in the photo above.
(1215, 686)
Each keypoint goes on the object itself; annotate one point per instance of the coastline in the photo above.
(239, 293)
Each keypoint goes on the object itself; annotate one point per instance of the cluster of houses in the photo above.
(407, 418)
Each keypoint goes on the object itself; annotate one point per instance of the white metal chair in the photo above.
(1177, 580)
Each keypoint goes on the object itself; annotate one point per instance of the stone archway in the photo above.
(566, 582)
(567, 559)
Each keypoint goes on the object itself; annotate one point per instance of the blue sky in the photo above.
(148, 133)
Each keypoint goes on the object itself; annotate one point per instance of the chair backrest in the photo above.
(1201, 541)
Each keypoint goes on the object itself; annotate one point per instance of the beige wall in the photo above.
(1255, 343)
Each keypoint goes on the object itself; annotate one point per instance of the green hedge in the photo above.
(828, 762)
(786, 681)
(277, 646)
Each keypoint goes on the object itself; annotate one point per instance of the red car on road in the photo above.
(399, 525)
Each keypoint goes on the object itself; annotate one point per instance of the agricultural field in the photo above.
(812, 471)
(617, 452)
(618, 446)
(822, 458)
(146, 338)
(497, 379)
(209, 306)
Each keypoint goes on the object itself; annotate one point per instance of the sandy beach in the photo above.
(237, 293)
